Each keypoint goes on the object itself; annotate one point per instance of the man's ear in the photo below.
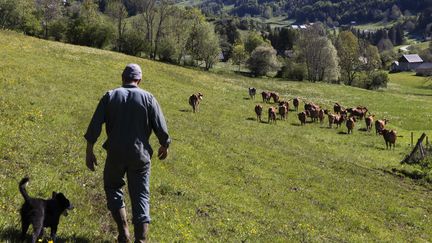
(54, 194)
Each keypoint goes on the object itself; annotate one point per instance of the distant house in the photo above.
(406, 63)
(425, 69)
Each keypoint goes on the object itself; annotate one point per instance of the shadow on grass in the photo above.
(255, 120)
(246, 98)
(343, 133)
(326, 127)
(185, 110)
(417, 94)
(296, 124)
(13, 235)
(246, 74)
(363, 129)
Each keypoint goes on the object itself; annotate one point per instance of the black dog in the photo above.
(41, 213)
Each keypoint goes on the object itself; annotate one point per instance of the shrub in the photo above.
(168, 51)
(57, 29)
(94, 31)
(292, 71)
(377, 80)
(133, 43)
(263, 60)
(373, 81)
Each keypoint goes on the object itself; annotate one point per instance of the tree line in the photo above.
(160, 30)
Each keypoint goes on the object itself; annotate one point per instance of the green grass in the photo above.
(412, 43)
(376, 25)
(227, 178)
(277, 21)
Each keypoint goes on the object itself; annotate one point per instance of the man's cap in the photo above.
(132, 71)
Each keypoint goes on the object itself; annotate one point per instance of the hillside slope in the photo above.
(227, 178)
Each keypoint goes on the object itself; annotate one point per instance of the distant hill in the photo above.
(343, 12)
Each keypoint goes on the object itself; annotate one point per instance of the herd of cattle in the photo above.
(340, 115)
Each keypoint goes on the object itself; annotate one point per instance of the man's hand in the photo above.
(91, 160)
(162, 153)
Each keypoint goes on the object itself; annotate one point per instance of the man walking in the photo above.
(130, 115)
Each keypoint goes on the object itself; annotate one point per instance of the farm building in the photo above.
(424, 69)
(407, 63)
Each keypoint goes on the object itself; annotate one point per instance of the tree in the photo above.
(395, 12)
(180, 27)
(348, 51)
(292, 71)
(21, 15)
(147, 8)
(385, 44)
(377, 80)
(229, 34)
(203, 44)
(50, 10)
(371, 58)
(87, 27)
(263, 60)
(319, 54)
(254, 40)
(117, 10)
(164, 10)
(239, 55)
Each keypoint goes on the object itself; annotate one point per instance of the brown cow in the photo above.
(350, 123)
(389, 138)
(369, 121)
(272, 115)
(275, 97)
(286, 103)
(313, 114)
(252, 92)
(380, 125)
(302, 117)
(312, 111)
(332, 119)
(265, 96)
(283, 111)
(194, 101)
(258, 112)
(296, 102)
(321, 115)
(339, 120)
(337, 108)
(359, 111)
(311, 106)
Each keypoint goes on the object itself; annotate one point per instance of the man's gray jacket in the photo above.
(130, 115)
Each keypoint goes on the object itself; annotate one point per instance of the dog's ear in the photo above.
(54, 194)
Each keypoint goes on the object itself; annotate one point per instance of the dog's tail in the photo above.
(22, 188)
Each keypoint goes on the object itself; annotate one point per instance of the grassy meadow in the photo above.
(228, 178)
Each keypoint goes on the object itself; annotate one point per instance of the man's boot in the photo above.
(122, 225)
(141, 231)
